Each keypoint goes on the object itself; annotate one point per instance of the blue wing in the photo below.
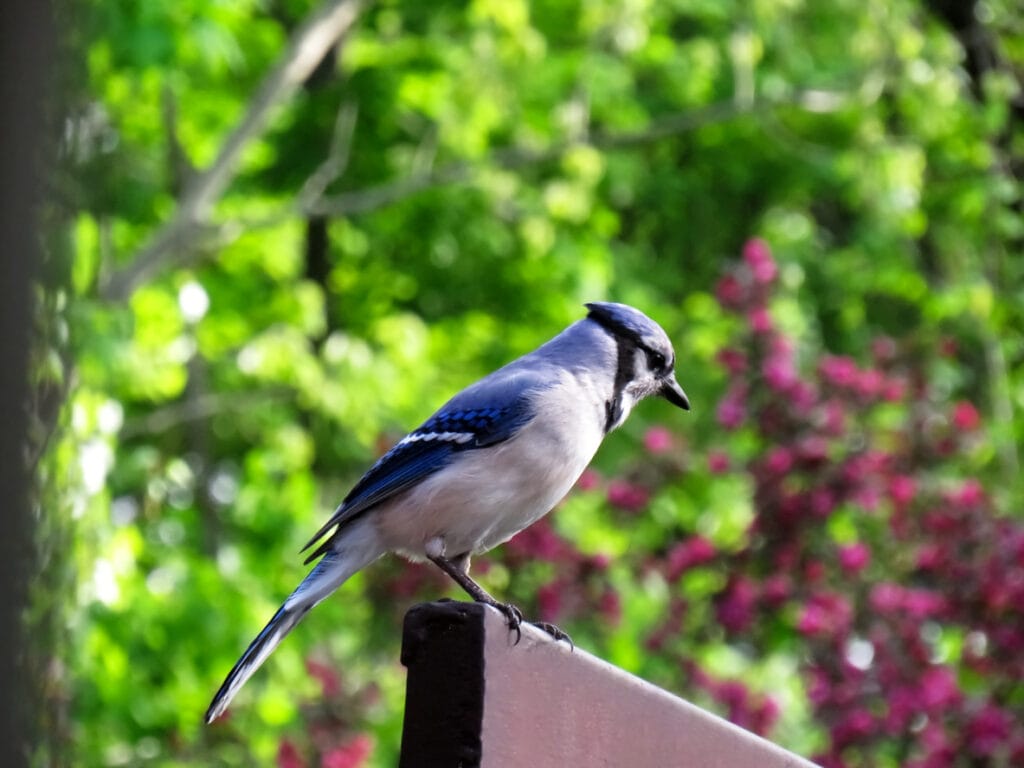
(456, 428)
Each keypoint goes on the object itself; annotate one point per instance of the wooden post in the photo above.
(474, 698)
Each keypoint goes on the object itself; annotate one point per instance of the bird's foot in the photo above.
(513, 618)
(555, 632)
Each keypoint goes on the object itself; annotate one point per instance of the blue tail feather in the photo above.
(320, 582)
(351, 550)
(266, 641)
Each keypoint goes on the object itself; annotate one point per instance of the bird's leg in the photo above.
(462, 562)
(458, 569)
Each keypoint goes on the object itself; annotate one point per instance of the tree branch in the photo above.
(175, 240)
(337, 158)
(209, 236)
(199, 408)
(512, 158)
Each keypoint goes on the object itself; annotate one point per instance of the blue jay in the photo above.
(494, 459)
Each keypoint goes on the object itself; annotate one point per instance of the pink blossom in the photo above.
(352, 754)
(658, 440)
(867, 496)
(938, 688)
(718, 462)
(930, 557)
(941, 522)
(610, 606)
(791, 508)
(330, 683)
(735, 606)
(903, 704)
(819, 688)
(966, 417)
(688, 554)
(894, 390)
(922, 603)
(777, 590)
(988, 730)
(759, 319)
(902, 489)
(939, 752)
(870, 383)
(730, 292)
(767, 716)
(812, 450)
(787, 556)
(857, 724)
(822, 502)
(839, 371)
(734, 361)
(814, 571)
(883, 349)
(779, 461)
(288, 756)
(1009, 639)
(802, 396)
(778, 372)
(540, 542)
(734, 695)
(601, 561)
(814, 620)
(833, 418)
(627, 496)
(549, 601)
(970, 494)
(825, 613)
(853, 558)
(732, 411)
(861, 467)
(914, 602)
(999, 595)
(589, 480)
(886, 597)
(758, 258)
(743, 709)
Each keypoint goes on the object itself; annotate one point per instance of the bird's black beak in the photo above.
(672, 392)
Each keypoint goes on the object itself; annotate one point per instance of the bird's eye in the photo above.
(655, 360)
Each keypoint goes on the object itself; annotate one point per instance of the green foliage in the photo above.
(507, 162)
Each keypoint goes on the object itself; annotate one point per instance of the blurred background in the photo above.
(278, 234)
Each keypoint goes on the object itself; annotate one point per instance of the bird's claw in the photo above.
(513, 617)
(555, 632)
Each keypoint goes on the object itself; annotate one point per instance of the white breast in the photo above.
(488, 495)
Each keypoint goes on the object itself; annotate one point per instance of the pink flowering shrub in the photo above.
(927, 581)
